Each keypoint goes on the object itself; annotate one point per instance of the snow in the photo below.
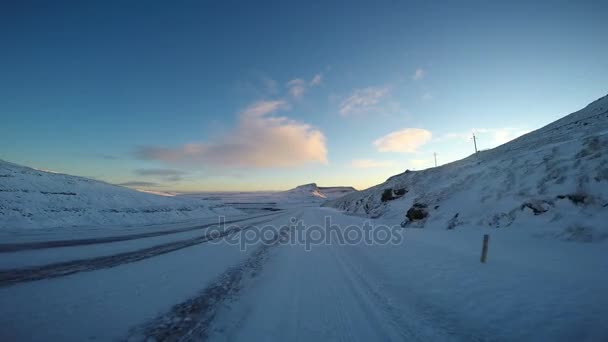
(560, 171)
(32, 198)
(39, 257)
(105, 304)
(541, 198)
(315, 193)
(429, 287)
(261, 201)
(69, 308)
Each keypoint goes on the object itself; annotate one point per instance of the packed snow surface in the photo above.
(429, 287)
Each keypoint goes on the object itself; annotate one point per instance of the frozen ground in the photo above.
(37, 199)
(262, 201)
(542, 199)
(430, 286)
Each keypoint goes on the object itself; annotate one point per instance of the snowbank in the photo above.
(31, 198)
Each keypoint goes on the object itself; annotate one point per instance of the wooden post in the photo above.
(484, 249)
(475, 142)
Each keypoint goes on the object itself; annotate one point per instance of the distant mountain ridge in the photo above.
(327, 192)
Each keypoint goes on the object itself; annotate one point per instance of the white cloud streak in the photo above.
(296, 87)
(316, 80)
(362, 100)
(418, 74)
(407, 140)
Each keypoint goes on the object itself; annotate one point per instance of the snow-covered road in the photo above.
(430, 286)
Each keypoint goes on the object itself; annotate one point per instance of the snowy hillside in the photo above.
(36, 199)
(554, 179)
(313, 192)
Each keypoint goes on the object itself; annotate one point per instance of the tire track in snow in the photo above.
(15, 276)
(191, 320)
(15, 247)
(426, 317)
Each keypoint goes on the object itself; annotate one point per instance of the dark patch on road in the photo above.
(14, 276)
(15, 247)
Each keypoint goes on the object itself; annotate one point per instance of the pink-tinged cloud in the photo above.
(362, 100)
(407, 140)
(259, 141)
(418, 74)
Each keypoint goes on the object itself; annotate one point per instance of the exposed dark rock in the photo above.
(417, 212)
(453, 222)
(575, 198)
(399, 192)
(390, 194)
(537, 207)
(387, 195)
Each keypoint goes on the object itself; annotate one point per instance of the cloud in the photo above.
(362, 100)
(427, 96)
(418, 74)
(407, 140)
(262, 108)
(486, 137)
(316, 80)
(138, 183)
(296, 87)
(369, 163)
(165, 174)
(259, 140)
(258, 84)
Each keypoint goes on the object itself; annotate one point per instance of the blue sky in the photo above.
(244, 95)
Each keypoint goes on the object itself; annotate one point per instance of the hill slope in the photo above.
(31, 198)
(554, 178)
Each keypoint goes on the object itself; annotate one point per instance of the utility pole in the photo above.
(475, 142)
(435, 155)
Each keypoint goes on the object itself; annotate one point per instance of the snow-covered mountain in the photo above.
(36, 199)
(554, 179)
(315, 192)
